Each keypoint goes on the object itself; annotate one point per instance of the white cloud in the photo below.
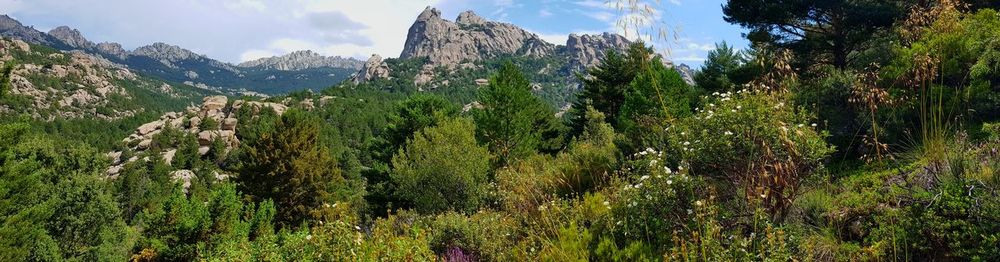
(235, 30)
(544, 13)
(601, 16)
(676, 2)
(595, 4)
(689, 58)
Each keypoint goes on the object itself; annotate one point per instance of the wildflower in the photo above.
(729, 133)
(698, 203)
(644, 178)
(669, 182)
(813, 124)
(667, 169)
(802, 125)
(689, 211)
(606, 203)
(309, 237)
(739, 107)
(686, 143)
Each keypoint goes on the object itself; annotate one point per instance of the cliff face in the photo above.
(587, 50)
(470, 38)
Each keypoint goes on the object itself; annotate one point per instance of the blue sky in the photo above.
(238, 30)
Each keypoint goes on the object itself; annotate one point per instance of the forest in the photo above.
(850, 130)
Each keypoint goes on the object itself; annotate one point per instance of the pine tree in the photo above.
(290, 167)
(513, 122)
(5, 74)
(604, 86)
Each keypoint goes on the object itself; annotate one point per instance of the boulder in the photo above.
(184, 177)
(150, 127)
(214, 103)
(169, 156)
(229, 124)
(195, 122)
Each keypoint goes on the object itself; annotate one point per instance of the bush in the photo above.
(755, 141)
(443, 168)
(653, 202)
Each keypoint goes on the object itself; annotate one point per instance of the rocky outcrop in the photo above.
(112, 50)
(301, 60)
(469, 38)
(213, 108)
(79, 86)
(686, 73)
(373, 69)
(587, 50)
(72, 38)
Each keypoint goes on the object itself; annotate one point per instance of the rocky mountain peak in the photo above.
(372, 69)
(300, 60)
(469, 18)
(450, 43)
(166, 52)
(71, 37)
(429, 14)
(111, 49)
(10, 27)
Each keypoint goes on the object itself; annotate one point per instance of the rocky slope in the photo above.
(215, 120)
(301, 60)
(47, 84)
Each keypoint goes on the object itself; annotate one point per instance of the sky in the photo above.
(240, 30)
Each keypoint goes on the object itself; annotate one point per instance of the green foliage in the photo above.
(754, 141)
(513, 122)
(605, 85)
(585, 166)
(821, 31)
(720, 65)
(290, 167)
(5, 73)
(442, 168)
(657, 95)
(656, 199)
(52, 204)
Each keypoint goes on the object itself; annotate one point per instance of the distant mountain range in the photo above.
(274, 75)
(443, 47)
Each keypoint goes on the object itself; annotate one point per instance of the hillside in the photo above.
(846, 131)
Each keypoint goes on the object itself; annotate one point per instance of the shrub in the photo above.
(754, 140)
(443, 168)
(654, 201)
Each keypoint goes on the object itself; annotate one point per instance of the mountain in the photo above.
(271, 76)
(301, 60)
(470, 38)
(457, 57)
(11, 28)
(47, 84)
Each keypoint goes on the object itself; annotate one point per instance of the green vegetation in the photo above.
(882, 147)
